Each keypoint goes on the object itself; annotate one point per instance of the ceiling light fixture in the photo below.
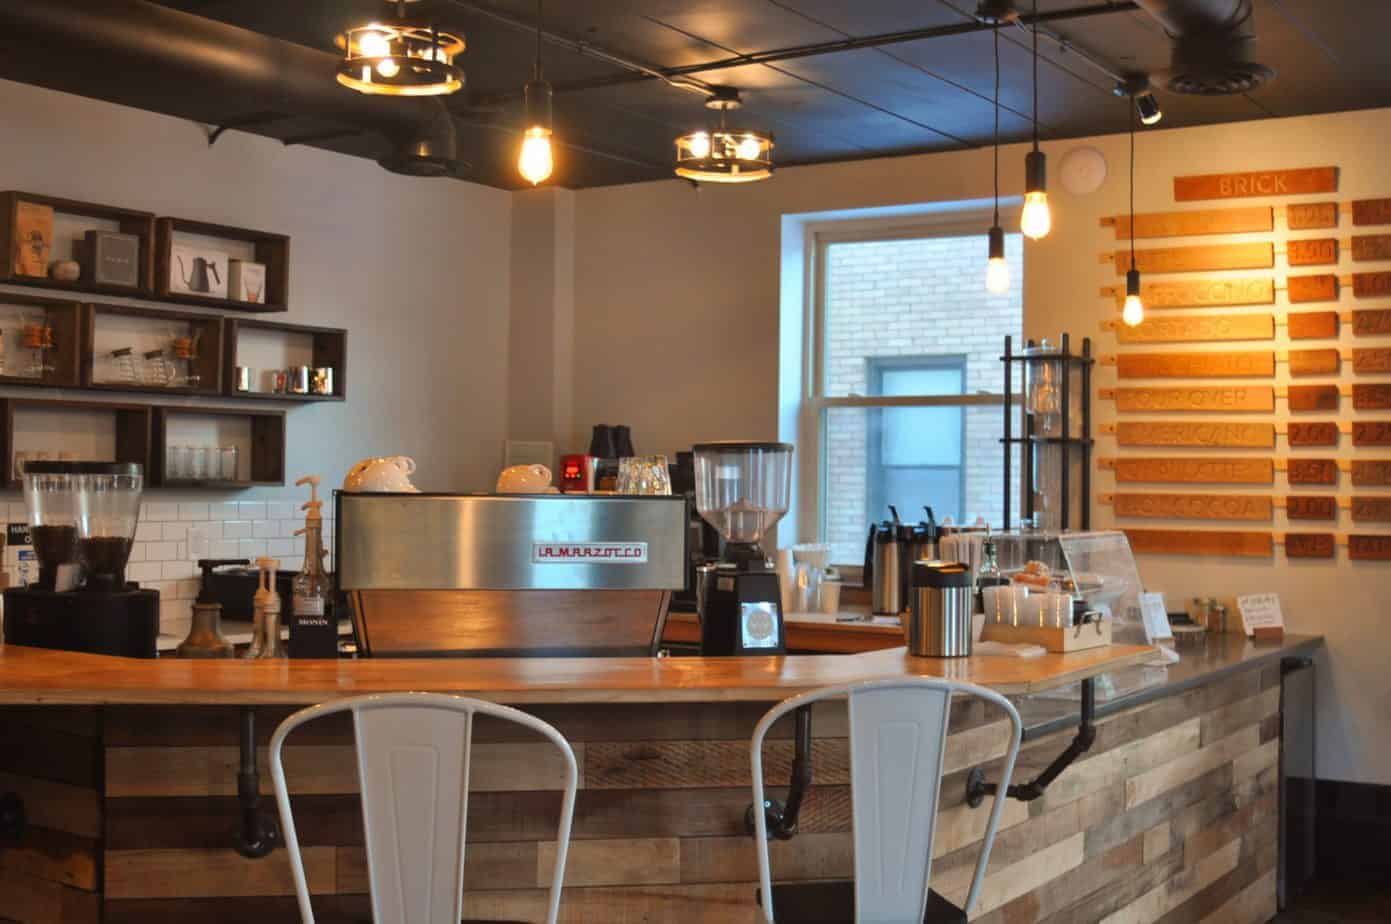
(1149, 110)
(400, 59)
(1133, 313)
(723, 155)
(1137, 88)
(996, 269)
(537, 159)
(1036, 220)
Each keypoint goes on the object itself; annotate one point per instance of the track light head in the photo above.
(1138, 88)
(1148, 108)
(996, 12)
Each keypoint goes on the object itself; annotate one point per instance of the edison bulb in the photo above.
(388, 68)
(1133, 312)
(373, 45)
(1036, 221)
(536, 163)
(700, 145)
(997, 276)
(749, 148)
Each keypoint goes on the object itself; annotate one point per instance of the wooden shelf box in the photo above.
(61, 363)
(258, 435)
(225, 243)
(91, 431)
(107, 328)
(71, 221)
(265, 346)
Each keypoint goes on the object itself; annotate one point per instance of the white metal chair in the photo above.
(413, 754)
(898, 737)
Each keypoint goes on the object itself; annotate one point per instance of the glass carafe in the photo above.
(743, 488)
(50, 497)
(108, 511)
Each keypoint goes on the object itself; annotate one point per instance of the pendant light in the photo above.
(536, 160)
(723, 155)
(996, 269)
(1133, 313)
(1035, 221)
(400, 59)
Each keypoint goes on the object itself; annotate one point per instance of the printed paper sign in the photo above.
(1260, 611)
(1155, 616)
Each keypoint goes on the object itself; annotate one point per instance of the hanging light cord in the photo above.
(1035, 18)
(1132, 185)
(996, 33)
(537, 67)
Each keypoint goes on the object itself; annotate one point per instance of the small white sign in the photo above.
(1260, 611)
(589, 553)
(1155, 615)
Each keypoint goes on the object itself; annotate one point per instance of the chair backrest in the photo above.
(898, 737)
(413, 754)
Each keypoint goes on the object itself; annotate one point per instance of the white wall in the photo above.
(416, 270)
(676, 317)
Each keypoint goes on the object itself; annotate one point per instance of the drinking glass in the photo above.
(227, 463)
(198, 463)
(643, 475)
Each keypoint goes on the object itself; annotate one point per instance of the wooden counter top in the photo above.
(35, 676)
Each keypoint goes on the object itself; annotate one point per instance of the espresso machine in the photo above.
(742, 490)
(82, 519)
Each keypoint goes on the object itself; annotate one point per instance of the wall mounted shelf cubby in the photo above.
(194, 255)
(258, 345)
(126, 348)
(40, 341)
(257, 436)
(69, 223)
(88, 431)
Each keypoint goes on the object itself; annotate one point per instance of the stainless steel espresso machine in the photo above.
(509, 575)
(742, 489)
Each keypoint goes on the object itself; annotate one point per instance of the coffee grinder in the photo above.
(741, 490)
(83, 514)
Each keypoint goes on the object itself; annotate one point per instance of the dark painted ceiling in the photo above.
(926, 95)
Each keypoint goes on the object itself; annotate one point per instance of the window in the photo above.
(902, 405)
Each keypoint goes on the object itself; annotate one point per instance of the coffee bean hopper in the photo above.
(82, 520)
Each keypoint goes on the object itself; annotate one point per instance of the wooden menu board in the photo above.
(1372, 322)
(1201, 293)
(1371, 212)
(1197, 398)
(1369, 548)
(1372, 397)
(1312, 325)
(1298, 182)
(1200, 542)
(1196, 365)
(1202, 328)
(1314, 362)
(1371, 509)
(1370, 361)
(1371, 285)
(1225, 435)
(1375, 473)
(1201, 221)
(1307, 216)
(1195, 506)
(1188, 470)
(1311, 507)
(1312, 252)
(1371, 247)
(1322, 287)
(1321, 433)
(1371, 433)
(1312, 471)
(1257, 255)
(1310, 545)
(1313, 397)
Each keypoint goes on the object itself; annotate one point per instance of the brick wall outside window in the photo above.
(912, 298)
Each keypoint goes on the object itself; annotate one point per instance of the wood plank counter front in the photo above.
(128, 774)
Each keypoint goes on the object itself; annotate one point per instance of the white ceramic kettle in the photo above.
(387, 474)
(524, 479)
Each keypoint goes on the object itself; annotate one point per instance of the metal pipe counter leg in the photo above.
(977, 788)
(258, 834)
(782, 817)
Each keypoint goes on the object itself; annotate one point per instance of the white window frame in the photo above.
(814, 403)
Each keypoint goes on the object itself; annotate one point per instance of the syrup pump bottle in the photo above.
(265, 640)
(313, 631)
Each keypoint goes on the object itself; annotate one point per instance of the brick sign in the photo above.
(1256, 183)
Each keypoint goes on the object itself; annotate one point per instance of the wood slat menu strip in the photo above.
(1224, 434)
(1311, 507)
(1375, 322)
(1311, 545)
(1371, 285)
(1369, 548)
(1371, 247)
(1371, 473)
(1298, 182)
(1315, 362)
(1371, 361)
(1253, 364)
(1201, 542)
(1312, 471)
(1195, 398)
(1373, 396)
(1371, 433)
(1312, 325)
(1199, 328)
(1371, 509)
(1187, 470)
(1318, 433)
(1318, 288)
(1195, 506)
(1197, 259)
(1255, 218)
(1371, 212)
(1307, 216)
(1201, 293)
(1322, 251)
(1313, 397)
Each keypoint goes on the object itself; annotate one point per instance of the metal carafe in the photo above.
(939, 624)
(921, 545)
(885, 554)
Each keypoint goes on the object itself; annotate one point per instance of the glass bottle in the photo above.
(309, 597)
(989, 574)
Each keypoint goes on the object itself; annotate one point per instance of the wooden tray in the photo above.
(1076, 638)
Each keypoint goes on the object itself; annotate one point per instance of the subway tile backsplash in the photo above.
(172, 537)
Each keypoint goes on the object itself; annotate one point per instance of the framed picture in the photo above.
(247, 281)
(33, 239)
(197, 271)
